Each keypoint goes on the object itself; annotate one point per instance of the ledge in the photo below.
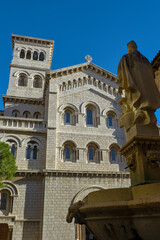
(15, 99)
(69, 173)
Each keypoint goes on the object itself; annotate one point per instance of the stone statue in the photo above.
(142, 98)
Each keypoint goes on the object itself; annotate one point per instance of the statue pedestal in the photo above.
(142, 130)
(143, 159)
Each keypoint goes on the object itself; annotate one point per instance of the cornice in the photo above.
(22, 131)
(69, 173)
(28, 67)
(16, 99)
(83, 66)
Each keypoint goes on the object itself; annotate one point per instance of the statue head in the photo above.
(131, 46)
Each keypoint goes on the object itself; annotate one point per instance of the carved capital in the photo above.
(131, 162)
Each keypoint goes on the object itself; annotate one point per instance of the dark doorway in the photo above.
(4, 232)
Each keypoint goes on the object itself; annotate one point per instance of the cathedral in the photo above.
(63, 129)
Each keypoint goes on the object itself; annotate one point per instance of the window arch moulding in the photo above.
(12, 138)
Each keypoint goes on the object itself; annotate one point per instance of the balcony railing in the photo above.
(23, 124)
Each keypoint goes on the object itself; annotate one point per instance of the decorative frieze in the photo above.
(67, 173)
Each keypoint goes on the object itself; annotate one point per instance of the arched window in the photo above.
(13, 147)
(35, 55)
(3, 200)
(41, 56)
(22, 54)
(69, 85)
(28, 152)
(74, 83)
(37, 83)
(22, 81)
(32, 151)
(70, 152)
(69, 116)
(91, 116)
(93, 153)
(26, 114)
(35, 152)
(37, 115)
(111, 120)
(15, 113)
(28, 55)
(114, 92)
(63, 86)
(114, 155)
(6, 197)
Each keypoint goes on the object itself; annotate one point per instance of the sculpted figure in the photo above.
(142, 98)
(73, 212)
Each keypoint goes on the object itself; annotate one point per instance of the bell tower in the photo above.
(31, 58)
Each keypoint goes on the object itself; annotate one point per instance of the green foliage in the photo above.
(7, 163)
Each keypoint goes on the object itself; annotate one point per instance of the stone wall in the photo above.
(60, 191)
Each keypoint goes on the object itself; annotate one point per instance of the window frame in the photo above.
(111, 116)
(72, 113)
(28, 55)
(73, 152)
(31, 145)
(89, 122)
(24, 80)
(96, 153)
(114, 149)
(8, 203)
(37, 81)
(40, 56)
(35, 53)
(22, 52)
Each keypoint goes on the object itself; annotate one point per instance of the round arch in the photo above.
(32, 75)
(69, 141)
(11, 137)
(28, 139)
(69, 105)
(84, 192)
(12, 188)
(17, 73)
(91, 103)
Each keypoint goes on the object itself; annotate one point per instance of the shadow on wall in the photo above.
(31, 187)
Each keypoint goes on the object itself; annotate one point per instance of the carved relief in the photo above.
(73, 212)
(131, 162)
(153, 158)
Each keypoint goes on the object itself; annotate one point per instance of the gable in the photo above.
(88, 81)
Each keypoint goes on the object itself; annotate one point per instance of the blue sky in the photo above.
(99, 28)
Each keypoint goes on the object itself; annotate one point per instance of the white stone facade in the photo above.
(65, 132)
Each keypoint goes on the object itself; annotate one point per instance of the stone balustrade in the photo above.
(23, 124)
